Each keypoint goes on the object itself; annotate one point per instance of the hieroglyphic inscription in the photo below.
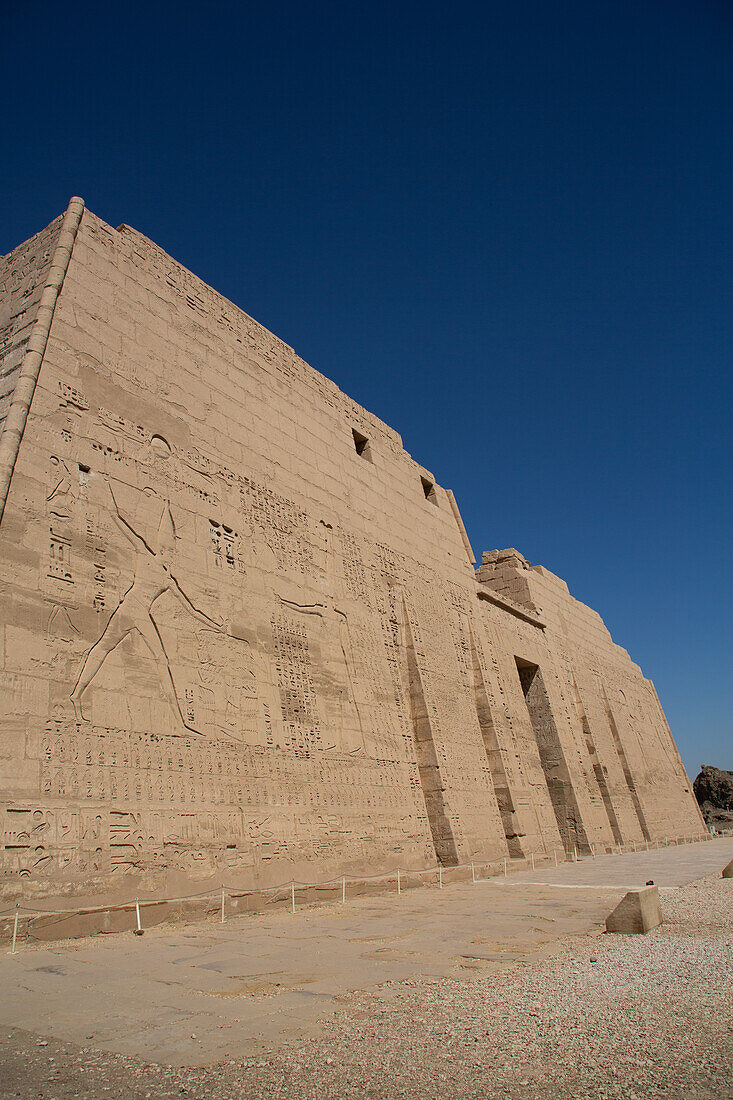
(297, 689)
(109, 766)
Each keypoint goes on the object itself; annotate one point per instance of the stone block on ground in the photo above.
(728, 870)
(636, 913)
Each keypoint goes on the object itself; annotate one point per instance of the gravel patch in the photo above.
(606, 1017)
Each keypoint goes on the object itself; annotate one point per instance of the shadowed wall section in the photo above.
(625, 767)
(509, 819)
(431, 782)
(597, 765)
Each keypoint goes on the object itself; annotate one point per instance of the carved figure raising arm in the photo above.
(151, 578)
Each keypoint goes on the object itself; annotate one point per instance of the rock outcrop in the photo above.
(714, 793)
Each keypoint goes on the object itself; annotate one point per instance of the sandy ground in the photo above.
(570, 1013)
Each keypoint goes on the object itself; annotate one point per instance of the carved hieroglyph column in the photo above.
(25, 387)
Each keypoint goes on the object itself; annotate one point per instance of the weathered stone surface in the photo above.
(728, 870)
(636, 913)
(23, 275)
(242, 635)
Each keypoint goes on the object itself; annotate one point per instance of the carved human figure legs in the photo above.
(124, 621)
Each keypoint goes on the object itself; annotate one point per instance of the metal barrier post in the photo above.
(222, 904)
(137, 911)
(440, 875)
(532, 861)
(554, 852)
(15, 928)
(399, 883)
(473, 873)
(343, 889)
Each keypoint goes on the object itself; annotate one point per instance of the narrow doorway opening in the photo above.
(552, 758)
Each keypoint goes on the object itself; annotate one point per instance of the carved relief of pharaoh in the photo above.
(154, 571)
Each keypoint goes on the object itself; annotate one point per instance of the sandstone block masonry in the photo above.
(242, 633)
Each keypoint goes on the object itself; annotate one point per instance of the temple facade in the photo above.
(243, 632)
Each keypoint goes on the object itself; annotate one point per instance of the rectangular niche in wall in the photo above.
(552, 758)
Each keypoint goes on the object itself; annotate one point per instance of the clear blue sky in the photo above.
(505, 228)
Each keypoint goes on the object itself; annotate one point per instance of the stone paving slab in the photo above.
(198, 995)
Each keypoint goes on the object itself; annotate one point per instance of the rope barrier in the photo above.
(235, 893)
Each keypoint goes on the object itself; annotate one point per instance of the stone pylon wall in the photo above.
(242, 634)
(23, 275)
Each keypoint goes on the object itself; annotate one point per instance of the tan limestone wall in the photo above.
(23, 275)
(196, 547)
(242, 642)
(635, 770)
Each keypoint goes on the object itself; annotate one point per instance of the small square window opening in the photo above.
(428, 489)
(362, 445)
